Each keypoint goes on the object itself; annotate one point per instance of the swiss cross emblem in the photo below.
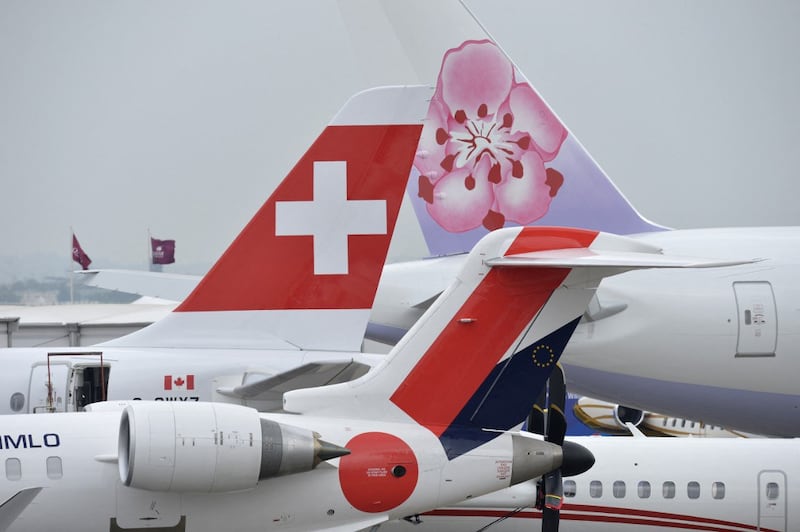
(330, 218)
(185, 382)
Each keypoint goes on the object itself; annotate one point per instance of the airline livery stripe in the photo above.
(608, 514)
(505, 396)
(653, 514)
(533, 239)
(464, 353)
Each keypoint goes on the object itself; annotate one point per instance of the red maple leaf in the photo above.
(179, 381)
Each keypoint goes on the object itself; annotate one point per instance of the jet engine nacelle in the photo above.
(625, 414)
(210, 447)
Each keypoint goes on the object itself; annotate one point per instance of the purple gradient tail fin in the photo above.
(493, 154)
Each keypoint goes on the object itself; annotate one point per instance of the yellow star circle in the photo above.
(549, 355)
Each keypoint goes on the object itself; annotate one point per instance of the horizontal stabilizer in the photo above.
(585, 257)
(368, 523)
(14, 506)
(305, 376)
(423, 305)
(168, 286)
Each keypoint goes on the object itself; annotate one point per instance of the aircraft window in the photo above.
(664, 422)
(619, 489)
(569, 488)
(773, 491)
(674, 421)
(54, 470)
(693, 490)
(643, 489)
(17, 401)
(13, 469)
(683, 422)
(668, 490)
(718, 490)
(595, 489)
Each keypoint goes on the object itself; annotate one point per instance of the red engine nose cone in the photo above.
(379, 474)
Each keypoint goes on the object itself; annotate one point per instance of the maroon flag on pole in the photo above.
(78, 255)
(163, 251)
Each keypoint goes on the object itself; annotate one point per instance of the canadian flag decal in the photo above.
(186, 383)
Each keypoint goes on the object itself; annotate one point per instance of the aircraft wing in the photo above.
(272, 388)
(168, 286)
(13, 507)
(368, 523)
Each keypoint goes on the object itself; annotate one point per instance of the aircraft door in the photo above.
(89, 385)
(772, 500)
(48, 393)
(758, 324)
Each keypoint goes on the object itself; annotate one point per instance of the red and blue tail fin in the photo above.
(479, 356)
(314, 252)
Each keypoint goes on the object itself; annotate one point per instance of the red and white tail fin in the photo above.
(303, 273)
(478, 358)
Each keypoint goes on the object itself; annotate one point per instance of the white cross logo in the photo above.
(330, 217)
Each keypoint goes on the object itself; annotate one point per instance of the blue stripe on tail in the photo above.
(505, 397)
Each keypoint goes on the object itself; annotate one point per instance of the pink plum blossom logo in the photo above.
(484, 146)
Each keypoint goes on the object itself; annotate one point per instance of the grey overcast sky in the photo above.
(181, 116)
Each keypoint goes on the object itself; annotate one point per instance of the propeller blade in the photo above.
(553, 497)
(557, 394)
(536, 417)
(550, 519)
(551, 513)
(553, 490)
(557, 397)
(552, 422)
(556, 425)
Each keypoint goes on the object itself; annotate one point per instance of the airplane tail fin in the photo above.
(479, 356)
(493, 153)
(314, 251)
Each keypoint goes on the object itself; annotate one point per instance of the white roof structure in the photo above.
(75, 325)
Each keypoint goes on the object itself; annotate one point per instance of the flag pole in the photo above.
(70, 269)
(149, 250)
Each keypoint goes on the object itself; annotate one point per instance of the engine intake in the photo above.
(211, 447)
(626, 414)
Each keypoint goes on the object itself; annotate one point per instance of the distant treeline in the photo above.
(55, 290)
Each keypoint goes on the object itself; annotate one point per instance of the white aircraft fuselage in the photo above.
(715, 345)
(69, 465)
(651, 484)
(177, 374)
